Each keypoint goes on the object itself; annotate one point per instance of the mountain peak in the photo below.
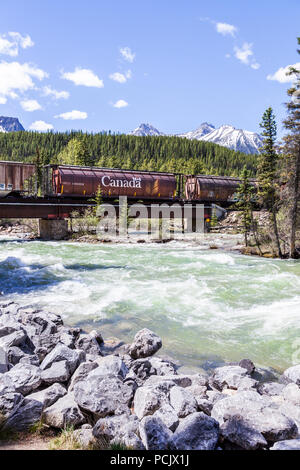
(145, 129)
(10, 124)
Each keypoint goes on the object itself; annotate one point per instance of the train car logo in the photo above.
(121, 183)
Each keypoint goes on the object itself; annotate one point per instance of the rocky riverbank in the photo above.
(125, 395)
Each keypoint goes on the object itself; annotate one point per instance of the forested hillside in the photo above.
(124, 151)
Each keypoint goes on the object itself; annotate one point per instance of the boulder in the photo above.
(270, 388)
(58, 372)
(291, 393)
(291, 411)
(14, 339)
(88, 344)
(25, 378)
(182, 401)
(85, 438)
(291, 444)
(196, 432)
(142, 369)
(9, 403)
(81, 373)
(115, 427)
(6, 384)
(248, 365)
(3, 361)
(28, 413)
(180, 380)
(145, 344)
(206, 404)
(237, 431)
(110, 365)
(49, 395)
(73, 357)
(292, 374)
(168, 416)
(64, 412)
(228, 377)
(97, 336)
(103, 396)
(149, 399)
(155, 435)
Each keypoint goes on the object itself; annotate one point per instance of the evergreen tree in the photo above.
(245, 195)
(267, 171)
(291, 151)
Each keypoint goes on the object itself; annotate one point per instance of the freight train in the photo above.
(83, 182)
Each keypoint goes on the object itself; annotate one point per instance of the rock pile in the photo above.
(66, 377)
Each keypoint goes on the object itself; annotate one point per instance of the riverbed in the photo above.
(210, 306)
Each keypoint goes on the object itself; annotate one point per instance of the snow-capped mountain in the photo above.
(226, 136)
(146, 129)
(235, 139)
(200, 132)
(10, 124)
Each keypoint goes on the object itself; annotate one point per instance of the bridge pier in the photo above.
(53, 229)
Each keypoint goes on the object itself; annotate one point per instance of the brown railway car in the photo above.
(13, 176)
(212, 188)
(84, 181)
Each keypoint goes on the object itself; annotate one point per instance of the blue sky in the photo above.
(98, 64)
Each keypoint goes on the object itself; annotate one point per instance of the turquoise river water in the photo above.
(209, 306)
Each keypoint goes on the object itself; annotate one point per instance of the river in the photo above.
(209, 306)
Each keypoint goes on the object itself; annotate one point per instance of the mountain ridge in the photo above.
(10, 124)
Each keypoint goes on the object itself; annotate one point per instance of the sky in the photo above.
(110, 65)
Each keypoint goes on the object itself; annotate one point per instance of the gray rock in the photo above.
(228, 377)
(116, 427)
(58, 372)
(25, 378)
(14, 339)
(180, 380)
(198, 392)
(110, 365)
(27, 414)
(291, 393)
(238, 432)
(81, 373)
(149, 399)
(292, 374)
(49, 395)
(248, 365)
(142, 369)
(14, 355)
(9, 403)
(270, 388)
(6, 384)
(196, 432)
(182, 401)
(206, 404)
(155, 435)
(258, 413)
(31, 359)
(88, 344)
(291, 444)
(7, 330)
(292, 412)
(67, 339)
(168, 416)
(97, 336)
(3, 361)
(130, 440)
(62, 353)
(85, 438)
(64, 412)
(145, 344)
(103, 396)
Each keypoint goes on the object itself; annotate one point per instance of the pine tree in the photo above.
(245, 195)
(291, 152)
(267, 171)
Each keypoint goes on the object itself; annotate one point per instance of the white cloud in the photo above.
(84, 77)
(30, 105)
(121, 77)
(226, 29)
(40, 126)
(120, 104)
(11, 42)
(245, 55)
(48, 91)
(72, 115)
(3, 100)
(281, 74)
(127, 54)
(18, 77)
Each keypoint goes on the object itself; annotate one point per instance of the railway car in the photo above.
(15, 177)
(74, 181)
(221, 189)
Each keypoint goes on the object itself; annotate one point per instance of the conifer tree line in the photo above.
(171, 154)
(278, 181)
